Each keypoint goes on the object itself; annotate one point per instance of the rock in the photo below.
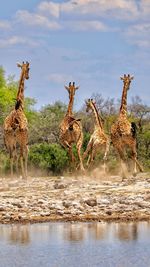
(2, 208)
(80, 197)
(17, 204)
(44, 214)
(7, 216)
(13, 184)
(91, 202)
(108, 212)
(66, 204)
(143, 204)
(147, 197)
(60, 186)
(103, 201)
(40, 201)
(60, 212)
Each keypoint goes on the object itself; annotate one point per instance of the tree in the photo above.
(46, 125)
(139, 110)
(50, 157)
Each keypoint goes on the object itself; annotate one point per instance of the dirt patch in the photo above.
(75, 198)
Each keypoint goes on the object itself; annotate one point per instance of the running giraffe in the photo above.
(16, 126)
(71, 128)
(123, 132)
(98, 138)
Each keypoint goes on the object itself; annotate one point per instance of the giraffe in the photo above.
(98, 138)
(123, 132)
(71, 128)
(16, 126)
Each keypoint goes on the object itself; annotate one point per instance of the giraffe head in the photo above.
(127, 80)
(71, 89)
(89, 104)
(25, 69)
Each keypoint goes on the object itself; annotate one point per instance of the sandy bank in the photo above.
(74, 199)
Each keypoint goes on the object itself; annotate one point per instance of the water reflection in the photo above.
(15, 233)
(24, 234)
(19, 234)
(74, 232)
(126, 231)
(75, 244)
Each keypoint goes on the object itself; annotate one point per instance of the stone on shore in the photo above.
(74, 199)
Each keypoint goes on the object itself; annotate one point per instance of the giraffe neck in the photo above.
(123, 107)
(70, 106)
(20, 94)
(98, 121)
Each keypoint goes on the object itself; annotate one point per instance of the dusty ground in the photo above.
(75, 199)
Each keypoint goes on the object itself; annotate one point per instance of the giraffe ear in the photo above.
(77, 87)
(19, 65)
(66, 87)
(132, 78)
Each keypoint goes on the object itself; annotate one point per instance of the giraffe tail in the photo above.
(133, 129)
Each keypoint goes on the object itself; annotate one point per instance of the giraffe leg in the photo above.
(71, 154)
(105, 155)
(106, 150)
(88, 160)
(26, 161)
(22, 167)
(134, 160)
(123, 165)
(86, 152)
(79, 145)
(139, 165)
(93, 153)
(22, 163)
(11, 162)
(11, 166)
(17, 168)
(16, 160)
(136, 163)
(67, 146)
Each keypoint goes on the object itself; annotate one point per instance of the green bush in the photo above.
(49, 157)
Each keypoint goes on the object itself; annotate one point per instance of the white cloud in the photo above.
(15, 40)
(145, 7)
(59, 78)
(83, 15)
(117, 8)
(93, 25)
(49, 8)
(5, 25)
(139, 34)
(33, 19)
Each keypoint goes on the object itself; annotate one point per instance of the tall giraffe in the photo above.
(98, 138)
(123, 132)
(71, 128)
(16, 126)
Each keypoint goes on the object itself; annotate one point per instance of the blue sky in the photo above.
(91, 42)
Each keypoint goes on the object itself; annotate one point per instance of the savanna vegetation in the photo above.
(45, 152)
